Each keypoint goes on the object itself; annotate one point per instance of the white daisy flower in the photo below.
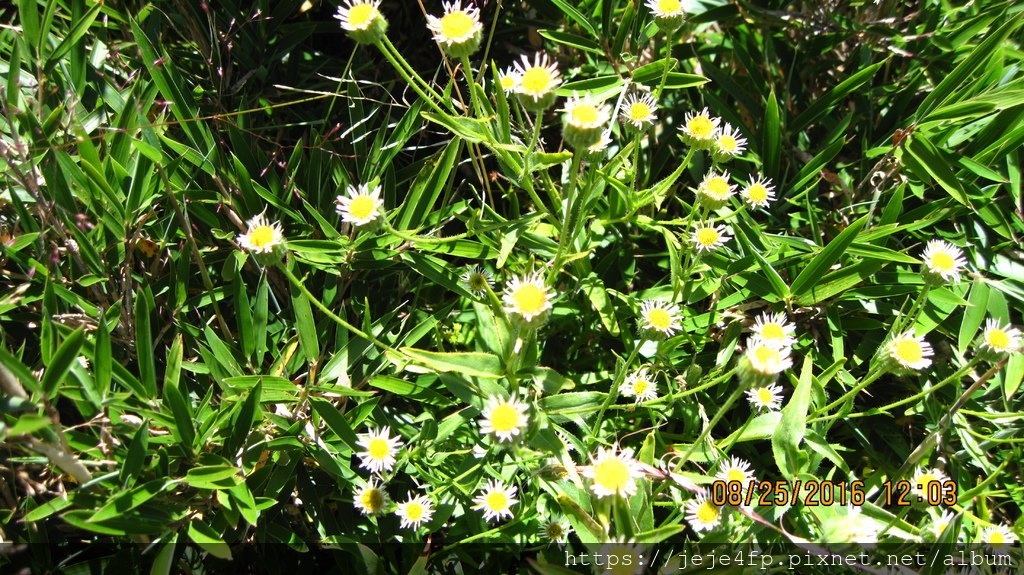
(944, 260)
(940, 523)
(774, 328)
(556, 531)
(361, 206)
(504, 418)
(728, 144)
(767, 358)
(998, 536)
(759, 193)
(737, 470)
(1000, 339)
(909, 351)
(527, 296)
(585, 112)
(477, 279)
(715, 189)
(459, 30)
(666, 8)
(699, 129)
(613, 472)
(362, 20)
(379, 449)
(537, 81)
(707, 238)
(639, 109)
(702, 515)
(415, 512)
(584, 120)
(640, 385)
(509, 79)
(261, 237)
(659, 317)
(496, 501)
(767, 398)
(370, 499)
(924, 477)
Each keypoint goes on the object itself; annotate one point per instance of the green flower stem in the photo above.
(903, 323)
(467, 71)
(413, 74)
(410, 76)
(636, 161)
(668, 399)
(534, 139)
(613, 393)
(885, 409)
(669, 38)
(677, 173)
(351, 328)
(565, 239)
(733, 397)
(724, 377)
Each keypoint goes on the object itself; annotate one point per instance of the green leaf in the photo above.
(472, 364)
(789, 456)
(208, 539)
(572, 40)
(824, 104)
(305, 326)
(211, 476)
(931, 162)
(59, 365)
(144, 345)
(576, 16)
(813, 273)
(128, 500)
(181, 411)
(101, 358)
(771, 136)
(336, 421)
(136, 457)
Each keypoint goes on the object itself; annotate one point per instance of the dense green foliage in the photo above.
(166, 382)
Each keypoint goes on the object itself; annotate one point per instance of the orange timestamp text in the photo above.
(814, 493)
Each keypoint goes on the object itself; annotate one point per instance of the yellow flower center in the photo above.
(909, 351)
(456, 25)
(612, 474)
(504, 418)
(942, 261)
(530, 299)
(496, 500)
(640, 386)
(262, 236)
(718, 187)
(736, 474)
(925, 479)
(765, 395)
(379, 449)
(998, 339)
(766, 354)
(669, 6)
(727, 143)
(414, 512)
(773, 331)
(757, 193)
(537, 80)
(996, 537)
(584, 115)
(700, 127)
(362, 207)
(659, 319)
(477, 282)
(372, 500)
(639, 111)
(361, 15)
(707, 236)
(508, 81)
(554, 531)
(707, 513)
(941, 526)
